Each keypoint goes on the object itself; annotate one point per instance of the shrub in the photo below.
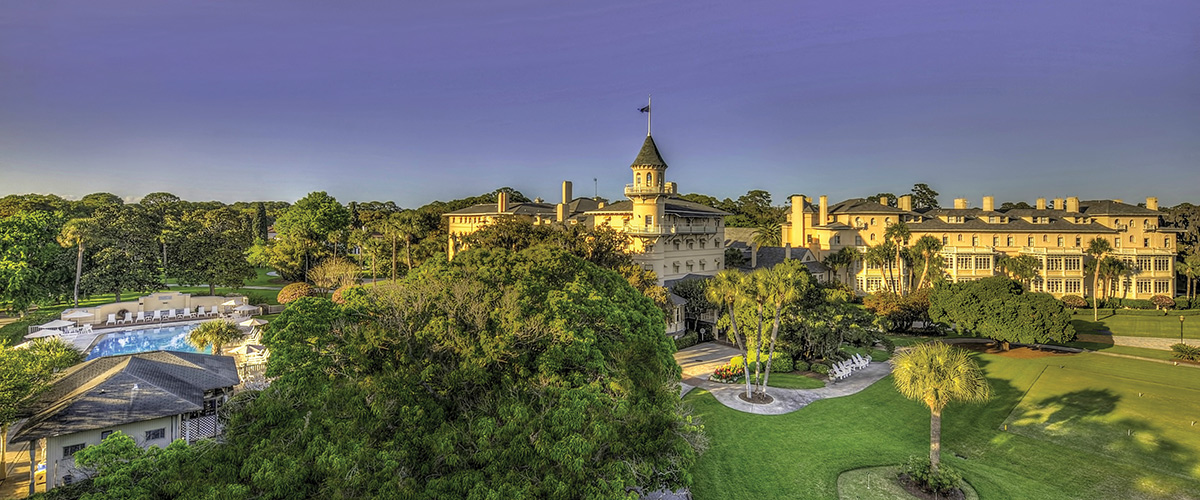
(781, 362)
(888, 345)
(727, 374)
(800, 366)
(1074, 301)
(1186, 352)
(295, 291)
(1162, 302)
(687, 340)
(1182, 303)
(339, 295)
(821, 368)
(944, 481)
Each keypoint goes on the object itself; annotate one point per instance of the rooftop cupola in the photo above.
(648, 170)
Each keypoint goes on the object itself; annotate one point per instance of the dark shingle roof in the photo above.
(649, 155)
(861, 205)
(1110, 207)
(674, 206)
(772, 256)
(686, 277)
(513, 209)
(115, 390)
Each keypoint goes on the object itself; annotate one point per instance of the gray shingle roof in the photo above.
(116, 390)
(1110, 207)
(861, 205)
(513, 209)
(674, 206)
(649, 155)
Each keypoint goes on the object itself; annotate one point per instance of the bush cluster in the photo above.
(800, 366)
(781, 362)
(1186, 352)
(295, 291)
(727, 374)
(944, 481)
(888, 345)
(1162, 302)
(1074, 301)
(687, 340)
(821, 368)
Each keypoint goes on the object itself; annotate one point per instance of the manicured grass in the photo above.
(901, 340)
(879, 483)
(874, 354)
(1131, 351)
(801, 454)
(793, 380)
(261, 279)
(1135, 323)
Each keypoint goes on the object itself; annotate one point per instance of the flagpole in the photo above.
(649, 114)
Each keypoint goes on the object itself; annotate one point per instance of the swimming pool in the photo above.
(167, 338)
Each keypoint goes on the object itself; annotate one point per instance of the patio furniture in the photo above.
(141, 316)
(157, 316)
(128, 318)
(112, 319)
(187, 313)
(171, 314)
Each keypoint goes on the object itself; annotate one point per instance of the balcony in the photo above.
(631, 189)
(1121, 227)
(667, 229)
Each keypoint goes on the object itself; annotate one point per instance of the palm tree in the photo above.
(727, 288)
(1023, 268)
(936, 374)
(215, 333)
(1110, 270)
(878, 255)
(1097, 248)
(1190, 268)
(851, 256)
(898, 234)
(927, 248)
(75, 233)
(767, 234)
(779, 288)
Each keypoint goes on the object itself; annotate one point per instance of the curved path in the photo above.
(699, 361)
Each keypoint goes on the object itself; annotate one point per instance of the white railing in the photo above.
(639, 189)
(667, 229)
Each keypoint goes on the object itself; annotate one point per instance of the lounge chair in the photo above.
(200, 312)
(112, 319)
(128, 318)
(157, 316)
(171, 314)
(186, 313)
(141, 316)
(86, 328)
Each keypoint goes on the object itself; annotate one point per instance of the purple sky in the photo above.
(414, 101)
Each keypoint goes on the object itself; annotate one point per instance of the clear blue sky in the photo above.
(413, 101)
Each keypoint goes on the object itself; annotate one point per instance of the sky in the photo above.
(414, 101)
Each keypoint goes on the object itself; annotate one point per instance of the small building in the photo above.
(155, 397)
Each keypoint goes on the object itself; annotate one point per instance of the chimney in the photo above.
(1152, 203)
(883, 200)
(564, 207)
(960, 203)
(1058, 204)
(1041, 203)
(1073, 204)
(501, 202)
(600, 204)
(824, 211)
(905, 203)
(671, 188)
(797, 235)
(787, 251)
(566, 192)
(989, 203)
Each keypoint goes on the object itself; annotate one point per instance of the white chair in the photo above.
(128, 318)
(200, 312)
(112, 319)
(87, 328)
(187, 313)
(141, 316)
(171, 314)
(157, 316)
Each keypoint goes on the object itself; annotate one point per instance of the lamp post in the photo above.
(1181, 329)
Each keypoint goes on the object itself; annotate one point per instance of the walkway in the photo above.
(699, 361)
(1144, 342)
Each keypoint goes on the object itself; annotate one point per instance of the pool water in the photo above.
(167, 338)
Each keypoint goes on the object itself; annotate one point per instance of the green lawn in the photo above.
(1135, 323)
(261, 279)
(801, 454)
(791, 380)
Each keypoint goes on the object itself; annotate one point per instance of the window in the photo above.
(1078, 241)
(837, 239)
(1162, 264)
(638, 180)
(1146, 242)
(1060, 241)
(1131, 238)
(945, 239)
(649, 179)
(974, 241)
(982, 262)
(1072, 263)
(156, 434)
(691, 245)
(1143, 286)
(70, 450)
(872, 236)
(1045, 238)
(1072, 286)
(964, 262)
(104, 435)
(872, 221)
(1054, 263)
(1117, 241)
(1162, 286)
(649, 221)
(995, 241)
(960, 237)
(858, 240)
(1054, 286)
(887, 221)
(677, 248)
(874, 284)
(1143, 263)
(1030, 242)
(702, 242)
(991, 220)
(702, 268)
(1009, 240)
(857, 221)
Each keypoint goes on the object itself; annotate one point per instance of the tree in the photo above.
(898, 235)
(161, 207)
(766, 234)
(780, 287)
(693, 291)
(333, 273)
(1008, 205)
(24, 375)
(937, 374)
(295, 291)
(924, 196)
(210, 248)
(1097, 248)
(309, 222)
(75, 233)
(881, 256)
(126, 257)
(999, 308)
(260, 224)
(928, 252)
(215, 333)
(95, 201)
(31, 267)
(1110, 270)
(1190, 269)
(727, 289)
(1023, 268)
(891, 199)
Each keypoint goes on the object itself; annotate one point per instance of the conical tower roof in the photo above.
(649, 155)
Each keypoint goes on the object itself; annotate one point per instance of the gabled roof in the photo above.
(528, 208)
(649, 155)
(771, 256)
(1111, 207)
(861, 205)
(686, 277)
(116, 390)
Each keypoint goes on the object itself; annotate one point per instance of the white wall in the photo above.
(58, 466)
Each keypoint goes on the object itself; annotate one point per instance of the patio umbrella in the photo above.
(43, 333)
(252, 322)
(78, 315)
(229, 302)
(58, 323)
(246, 307)
(248, 349)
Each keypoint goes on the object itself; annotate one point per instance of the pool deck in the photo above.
(85, 341)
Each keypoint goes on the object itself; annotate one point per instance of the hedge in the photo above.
(295, 291)
(782, 362)
(687, 340)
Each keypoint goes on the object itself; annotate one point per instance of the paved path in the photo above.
(1145, 342)
(699, 361)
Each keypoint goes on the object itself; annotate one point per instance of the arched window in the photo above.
(887, 221)
(1131, 238)
(649, 179)
(857, 221)
(960, 237)
(1117, 222)
(872, 221)
(1060, 241)
(872, 236)
(638, 180)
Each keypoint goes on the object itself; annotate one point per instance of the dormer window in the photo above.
(991, 219)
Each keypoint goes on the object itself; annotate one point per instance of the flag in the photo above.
(645, 109)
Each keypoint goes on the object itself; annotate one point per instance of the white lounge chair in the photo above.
(128, 318)
(171, 314)
(187, 313)
(86, 328)
(112, 319)
(200, 312)
(157, 316)
(141, 316)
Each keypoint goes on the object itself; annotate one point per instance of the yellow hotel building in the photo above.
(974, 238)
(670, 236)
